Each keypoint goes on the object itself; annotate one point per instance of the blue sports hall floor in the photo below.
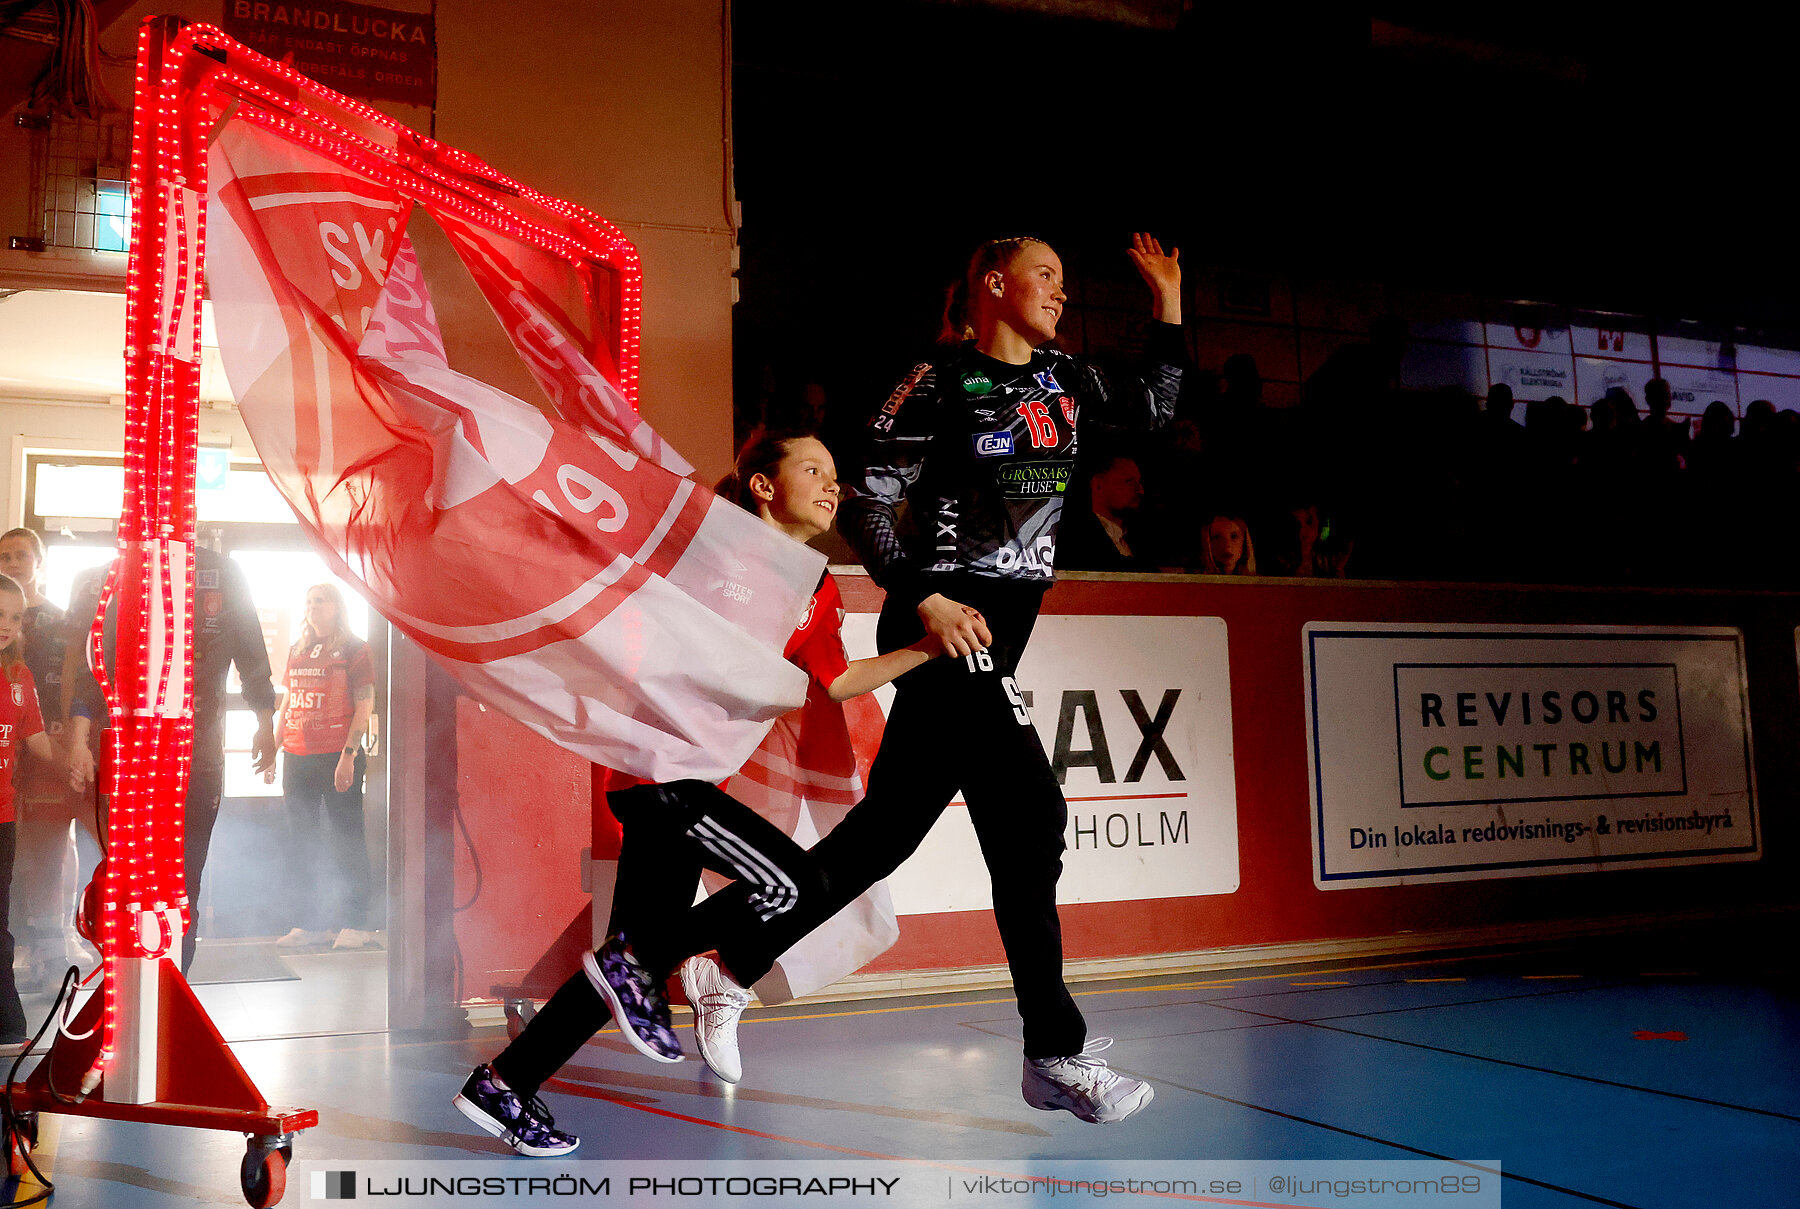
(1658, 1071)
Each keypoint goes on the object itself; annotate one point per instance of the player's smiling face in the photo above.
(1030, 299)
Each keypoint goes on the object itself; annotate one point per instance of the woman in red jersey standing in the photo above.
(325, 710)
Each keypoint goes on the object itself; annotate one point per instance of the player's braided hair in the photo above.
(762, 454)
(994, 254)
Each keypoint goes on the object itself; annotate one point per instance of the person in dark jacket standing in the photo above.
(227, 633)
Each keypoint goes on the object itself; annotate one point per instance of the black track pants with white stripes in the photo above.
(672, 831)
(956, 725)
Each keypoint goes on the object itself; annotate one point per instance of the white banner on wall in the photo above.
(1534, 375)
(1137, 712)
(1691, 388)
(1595, 376)
(1454, 752)
(1610, 342)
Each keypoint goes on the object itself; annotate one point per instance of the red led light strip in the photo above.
(183, 89)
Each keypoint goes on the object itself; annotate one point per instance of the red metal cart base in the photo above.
(199, 1083)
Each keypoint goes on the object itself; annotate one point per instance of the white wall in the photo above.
(619, 108)
(36, 425)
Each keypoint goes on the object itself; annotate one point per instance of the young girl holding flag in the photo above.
(672, 831)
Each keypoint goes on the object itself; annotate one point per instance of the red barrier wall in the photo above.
(1277, 902)
(522, 799)
(522, 918)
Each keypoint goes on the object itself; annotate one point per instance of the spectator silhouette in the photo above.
(1766, 465)
(1304, 546)
(1496, 462)
(1608, 513)
(1103, 536)
(1712, 455)
(1245, 447)
(1240, 393)
(1355, 447)
(1657, 533)
(1759, 443)
(1552, 438)
(1665, 438)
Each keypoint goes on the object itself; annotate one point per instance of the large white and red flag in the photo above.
(555, 559)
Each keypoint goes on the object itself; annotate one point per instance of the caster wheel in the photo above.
(264, 1176)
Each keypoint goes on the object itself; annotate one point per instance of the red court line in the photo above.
(1141, 797)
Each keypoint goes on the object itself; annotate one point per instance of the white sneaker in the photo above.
(76, 950)
(353, 938)
(300, 938)
(1083, 1085)
(718, 1001)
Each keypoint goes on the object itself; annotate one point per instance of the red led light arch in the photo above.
(191, 81)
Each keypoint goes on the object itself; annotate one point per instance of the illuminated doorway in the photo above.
(251, 986)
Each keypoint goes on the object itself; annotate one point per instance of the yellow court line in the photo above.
(1212, 984)
(1385, 965)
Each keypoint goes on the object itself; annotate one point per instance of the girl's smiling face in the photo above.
(801, 498)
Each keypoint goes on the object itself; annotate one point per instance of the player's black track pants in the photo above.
(671, 832)
(956, 725)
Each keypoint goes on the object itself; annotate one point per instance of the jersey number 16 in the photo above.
(1043, 428)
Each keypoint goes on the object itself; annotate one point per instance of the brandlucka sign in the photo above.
(1443, 753)
(362, 51)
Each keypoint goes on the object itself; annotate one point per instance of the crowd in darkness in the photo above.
(1365, 478)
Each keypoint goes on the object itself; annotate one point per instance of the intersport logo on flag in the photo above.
(555, 560)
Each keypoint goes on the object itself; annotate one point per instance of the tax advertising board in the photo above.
(1135, 714)
(1454, 752)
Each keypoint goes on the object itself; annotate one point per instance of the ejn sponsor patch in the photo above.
(994, 444)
